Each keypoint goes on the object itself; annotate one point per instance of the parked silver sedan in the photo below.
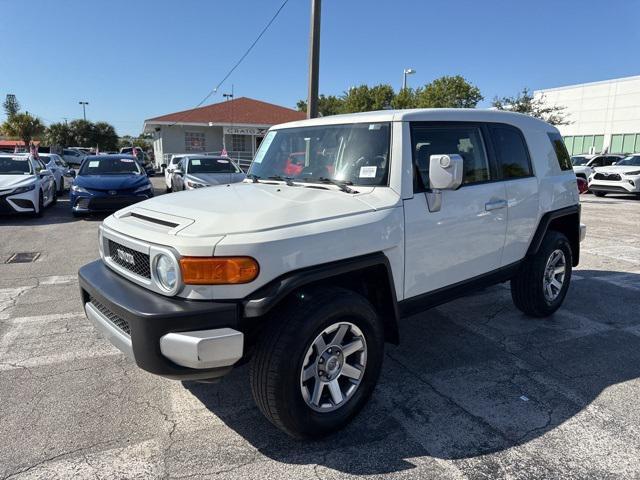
(203, 171)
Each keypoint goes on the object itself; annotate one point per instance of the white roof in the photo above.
(425, 115)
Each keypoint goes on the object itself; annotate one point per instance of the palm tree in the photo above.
(24, 126)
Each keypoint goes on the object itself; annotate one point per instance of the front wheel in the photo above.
(541, 284)
(599, 194)
(318, 362)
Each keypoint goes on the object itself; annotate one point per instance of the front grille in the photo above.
(607, 176)
(132, 260)
(109, 204)
(119, 322)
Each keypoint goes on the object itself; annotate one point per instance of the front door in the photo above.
(465, 238)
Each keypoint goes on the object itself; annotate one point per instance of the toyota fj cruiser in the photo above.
(307, 273)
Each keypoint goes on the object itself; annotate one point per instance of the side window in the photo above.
(561, 151)
(598, 162)
(435, 140)
(513, 157)
(611, 160)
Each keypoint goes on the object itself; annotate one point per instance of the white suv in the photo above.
(305, 270)
(623, 177)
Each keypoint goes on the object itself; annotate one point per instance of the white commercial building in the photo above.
(603, 116)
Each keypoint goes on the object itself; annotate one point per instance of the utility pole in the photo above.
(84, 111)
(314, 59)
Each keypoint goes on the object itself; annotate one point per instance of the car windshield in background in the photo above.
(355, 153)
(632, 160)
(211, 165)
(579, 160)
(15, 166)
(109, 166)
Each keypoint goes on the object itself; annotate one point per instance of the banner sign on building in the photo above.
(259, 132)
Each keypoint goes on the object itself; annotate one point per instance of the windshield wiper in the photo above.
(287, 180)
(253, 177)
(341, 184)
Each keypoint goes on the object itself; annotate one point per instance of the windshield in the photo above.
(633, 160)
(579, 160)
(109, 166)
(357, 153)
(210, 165)
(15, 166)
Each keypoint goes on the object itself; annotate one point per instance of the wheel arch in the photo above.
(566, 221)
(369, 275)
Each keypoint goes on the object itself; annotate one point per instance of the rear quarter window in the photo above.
(564, 160)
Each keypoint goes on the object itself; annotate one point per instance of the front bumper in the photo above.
(17, 202)
(175, 338)
(85, 203)
(616, 186)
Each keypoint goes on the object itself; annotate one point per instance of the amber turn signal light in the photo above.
(218, 270)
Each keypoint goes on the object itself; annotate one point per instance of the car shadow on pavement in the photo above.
(470, 378)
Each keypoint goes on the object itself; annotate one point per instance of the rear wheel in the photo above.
(318, 362)
(599, 194)
(541, 284)
(40, 210)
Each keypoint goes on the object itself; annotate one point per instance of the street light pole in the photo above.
(84, 111)
(314, 59)
(407, 71)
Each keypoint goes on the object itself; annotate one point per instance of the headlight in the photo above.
(144, 188)
(636, 172)
(27, 188)
(166, 272)
(195, 185)
(78, 189)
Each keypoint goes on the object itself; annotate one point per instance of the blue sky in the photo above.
(136, 59)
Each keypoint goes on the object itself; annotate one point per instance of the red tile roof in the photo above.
(13, 143)
(241, 110)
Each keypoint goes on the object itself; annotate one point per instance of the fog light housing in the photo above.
(166, 272)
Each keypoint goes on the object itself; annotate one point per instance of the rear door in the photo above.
(509, 147)
(465, 238)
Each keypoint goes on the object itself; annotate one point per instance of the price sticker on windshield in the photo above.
(195, 162)
(94, 163)
(368, 172)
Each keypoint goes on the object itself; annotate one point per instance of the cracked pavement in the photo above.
(475, 390)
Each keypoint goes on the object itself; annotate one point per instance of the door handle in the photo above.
(495, 205)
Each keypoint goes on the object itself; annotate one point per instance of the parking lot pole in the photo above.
(314, 59)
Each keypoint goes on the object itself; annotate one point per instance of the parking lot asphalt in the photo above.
(475, 389)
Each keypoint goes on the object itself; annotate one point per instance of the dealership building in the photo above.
(604, 116)
(237, 125)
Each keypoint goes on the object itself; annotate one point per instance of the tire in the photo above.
(40, 210)
(277, 365)
(61, 189)
(169, 189)
(54, 200)
(528, 286)
(599, 194)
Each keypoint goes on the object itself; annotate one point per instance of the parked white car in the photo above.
(307, 275)
(198, 171)
(59, 168)
(584, 165)
(26, 186)
(169, 168)
(623, 177)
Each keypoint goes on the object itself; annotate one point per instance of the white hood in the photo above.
(251, 207)
(8, 182)
(618, 169)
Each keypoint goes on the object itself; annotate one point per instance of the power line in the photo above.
(237, 64)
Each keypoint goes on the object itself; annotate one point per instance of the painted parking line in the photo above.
(59, 280)
(36, 341)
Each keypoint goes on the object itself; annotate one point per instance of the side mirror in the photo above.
(445, 172)
(164, 165)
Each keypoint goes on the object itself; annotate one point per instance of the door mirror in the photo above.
(71, 173)
(164, 165)
(445, 171)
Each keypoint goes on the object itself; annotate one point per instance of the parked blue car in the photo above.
(106, 183)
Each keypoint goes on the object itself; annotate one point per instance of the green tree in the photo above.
(105, 136)
(82, 134)
(23, 126)
(59, 134)
(327, 105)
(142, 141)
(11, 106)
(365, 99)
(406, 98)
(449, 92)
(525, 102)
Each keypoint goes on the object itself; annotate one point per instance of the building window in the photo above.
(194, 142)
(616, 144)
(238, 143)
(568, 142)
(628, 143)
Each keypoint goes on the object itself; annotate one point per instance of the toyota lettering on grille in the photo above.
(126, 257)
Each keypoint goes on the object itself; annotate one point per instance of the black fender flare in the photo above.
(545, 222)
(263, 300)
